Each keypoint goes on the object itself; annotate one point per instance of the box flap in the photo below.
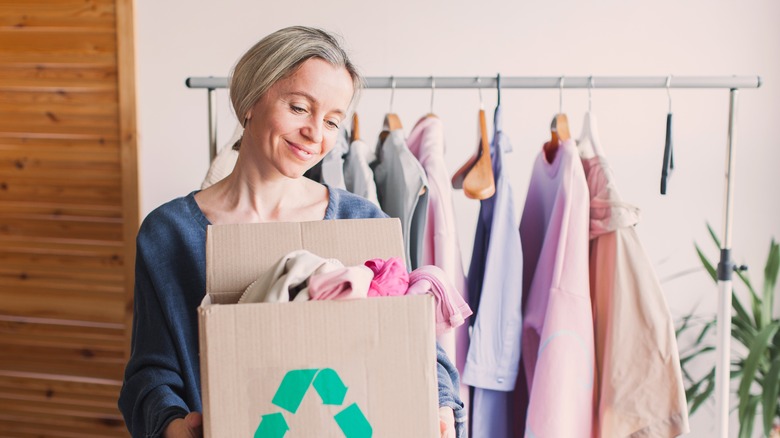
(237, 254)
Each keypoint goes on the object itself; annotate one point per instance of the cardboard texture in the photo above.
(347, 369)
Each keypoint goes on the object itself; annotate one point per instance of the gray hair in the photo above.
(279, 55)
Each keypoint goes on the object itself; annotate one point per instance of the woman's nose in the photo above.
(313, 131)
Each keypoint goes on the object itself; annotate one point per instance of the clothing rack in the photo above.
(733, 83)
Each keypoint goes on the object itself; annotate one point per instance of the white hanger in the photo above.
(589, 143)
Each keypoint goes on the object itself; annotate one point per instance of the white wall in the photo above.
(560, 37)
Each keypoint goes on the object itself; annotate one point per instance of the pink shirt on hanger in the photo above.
(440, 242)
(557, 341)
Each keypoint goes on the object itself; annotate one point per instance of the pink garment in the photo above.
(557, 341)
(451, 309)
(390, 277)
(440, 242)
(640, 388)
(341, 284)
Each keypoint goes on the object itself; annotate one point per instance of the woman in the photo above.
(292, 90)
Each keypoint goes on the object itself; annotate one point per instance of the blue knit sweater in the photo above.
(162, 377)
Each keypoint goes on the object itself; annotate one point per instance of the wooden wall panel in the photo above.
(68, 215)
(68, 14)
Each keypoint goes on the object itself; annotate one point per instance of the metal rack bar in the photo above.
(729, 82)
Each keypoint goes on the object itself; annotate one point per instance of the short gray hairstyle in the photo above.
(279, 55)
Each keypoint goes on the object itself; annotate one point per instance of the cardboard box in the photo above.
(351, 369)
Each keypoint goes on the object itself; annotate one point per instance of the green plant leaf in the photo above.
(771, 394)
(696, 353)
(686, 323)
(707, 265)
(704, 330)
(770, 277)
(755, 301)
(757, 349)
(741, 313)
(743, 331)
(698, 399)
(713, 235)
(748, 417)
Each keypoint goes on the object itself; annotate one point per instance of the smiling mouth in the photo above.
(300, 152)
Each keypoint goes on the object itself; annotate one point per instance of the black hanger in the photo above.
(668, 163)
(498, 89)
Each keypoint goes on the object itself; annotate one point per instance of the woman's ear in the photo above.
(247, 117)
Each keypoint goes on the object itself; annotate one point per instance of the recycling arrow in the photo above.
(353, 423)
(331, 390)
(292, 389)
(272, 426)
(330, 387)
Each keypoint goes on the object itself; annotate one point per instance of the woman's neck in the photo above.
(248, 196)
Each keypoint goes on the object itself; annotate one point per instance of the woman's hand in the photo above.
(190, 426)
(446, 422)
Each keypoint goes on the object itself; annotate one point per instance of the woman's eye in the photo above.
(332, 124)
(297, 109)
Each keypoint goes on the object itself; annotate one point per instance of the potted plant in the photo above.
(755, 331)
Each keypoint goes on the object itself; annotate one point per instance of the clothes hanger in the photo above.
(559, 128)
(589, 144)
(433, 91)
(355, 134)
(479, 182)
(430, 113)
(392, 121)
(476, 176)
(668, 163)
(460, 175)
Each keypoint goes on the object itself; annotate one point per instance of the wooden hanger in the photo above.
(559, 129)
(559, 132)
(391, 123)
(475, 176)
(355, 134)
(479, 182)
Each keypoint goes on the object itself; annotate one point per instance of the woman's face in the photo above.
(295, 123)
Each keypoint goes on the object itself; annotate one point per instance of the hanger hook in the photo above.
(591, 84)
(433, 90)
(560, 95)
(498, 89)
(668, 92)
(392, 92)
(479, 89)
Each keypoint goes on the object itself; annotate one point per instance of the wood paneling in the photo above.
(67, 14)
(68, 214)
(36, 405)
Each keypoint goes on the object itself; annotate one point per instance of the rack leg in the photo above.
(725, 273)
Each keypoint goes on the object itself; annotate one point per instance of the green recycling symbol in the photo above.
(331, 390)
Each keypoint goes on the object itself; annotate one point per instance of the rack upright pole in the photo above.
(725, 274)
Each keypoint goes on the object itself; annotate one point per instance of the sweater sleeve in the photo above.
(150, 397)
(448, 383)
